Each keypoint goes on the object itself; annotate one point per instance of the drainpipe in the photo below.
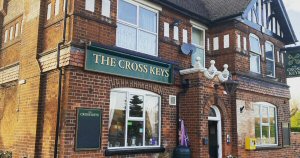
(60, 80)
(184, 86)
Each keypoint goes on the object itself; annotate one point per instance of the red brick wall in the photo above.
(92, 90)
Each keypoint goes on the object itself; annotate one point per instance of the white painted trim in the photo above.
(105, 9)
(219, 126)
(90, 5)
(184, 36)
(149, 4)
(198, 25)
(166, 29)
(216, 43)
(176, 33)
(226, 41)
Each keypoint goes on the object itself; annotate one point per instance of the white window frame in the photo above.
(282, 58)
(238, 38)
(11, 33)
(199, 27)
(6, 36)
(268, 105)
(226, 40)
(90, 5)
(255, 53)
(49, 8)
(176, 33)
(17, 30)
(166, 29)
(134, 91)
(106, 6)
(184, 36)
(216, 43)
(245, 43)
(272, 60)
(147, 7)
(57, 7)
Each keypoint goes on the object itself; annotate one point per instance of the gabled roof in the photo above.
(210, 11)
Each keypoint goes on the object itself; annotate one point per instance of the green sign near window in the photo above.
(292, 62)
(121, 64)
(88, 129)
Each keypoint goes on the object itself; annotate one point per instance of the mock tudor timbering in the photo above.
(121, 61)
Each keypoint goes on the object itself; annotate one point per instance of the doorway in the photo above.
(214, 133)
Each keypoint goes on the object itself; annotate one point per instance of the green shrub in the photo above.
(295, 129)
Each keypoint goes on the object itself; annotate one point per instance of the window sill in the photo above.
(268, 148)
(111, 152)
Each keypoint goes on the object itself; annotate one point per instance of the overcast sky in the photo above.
(293, 9)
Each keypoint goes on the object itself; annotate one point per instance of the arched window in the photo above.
(255, 53)
(134, 118)
(265, 124)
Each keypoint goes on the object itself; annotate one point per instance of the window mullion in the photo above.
(260, 113)
(144, 121)
(127, 118)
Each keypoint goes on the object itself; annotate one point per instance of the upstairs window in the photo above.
(270, 59)
(57, 7)
(11, 33)
(90, 5)
(6, 36)
(254, 53)
(265, 124)
(198, 41)
(48, 11)
(137, 27)
(134, 118)
(17, 30)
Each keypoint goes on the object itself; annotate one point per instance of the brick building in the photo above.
(115, 69)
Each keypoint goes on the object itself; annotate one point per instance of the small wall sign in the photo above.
(122, 64)
(292, 62)
(88, 129)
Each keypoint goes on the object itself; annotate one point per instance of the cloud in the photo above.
(292, 5)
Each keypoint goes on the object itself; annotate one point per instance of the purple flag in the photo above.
(184, 137)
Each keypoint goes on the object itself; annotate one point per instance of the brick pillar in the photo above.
(25, 135)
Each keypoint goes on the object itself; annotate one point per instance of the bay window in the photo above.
(255, 54)
(137, 27)
(270, 59)
(265, 124)
(198, 40)
(134, 118)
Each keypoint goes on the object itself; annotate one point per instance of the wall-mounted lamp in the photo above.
(242, 109)
(230, 86)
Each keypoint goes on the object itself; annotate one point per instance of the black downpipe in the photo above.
(60, 80)
(184, 86)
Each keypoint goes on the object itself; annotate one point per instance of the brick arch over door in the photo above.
(218, 102)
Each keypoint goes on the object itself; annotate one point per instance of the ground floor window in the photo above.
(134, 118)
(265, 124)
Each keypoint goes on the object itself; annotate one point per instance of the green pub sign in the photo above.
(121, 64)
(292, 62)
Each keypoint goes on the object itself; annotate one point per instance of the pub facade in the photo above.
(115, 78)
